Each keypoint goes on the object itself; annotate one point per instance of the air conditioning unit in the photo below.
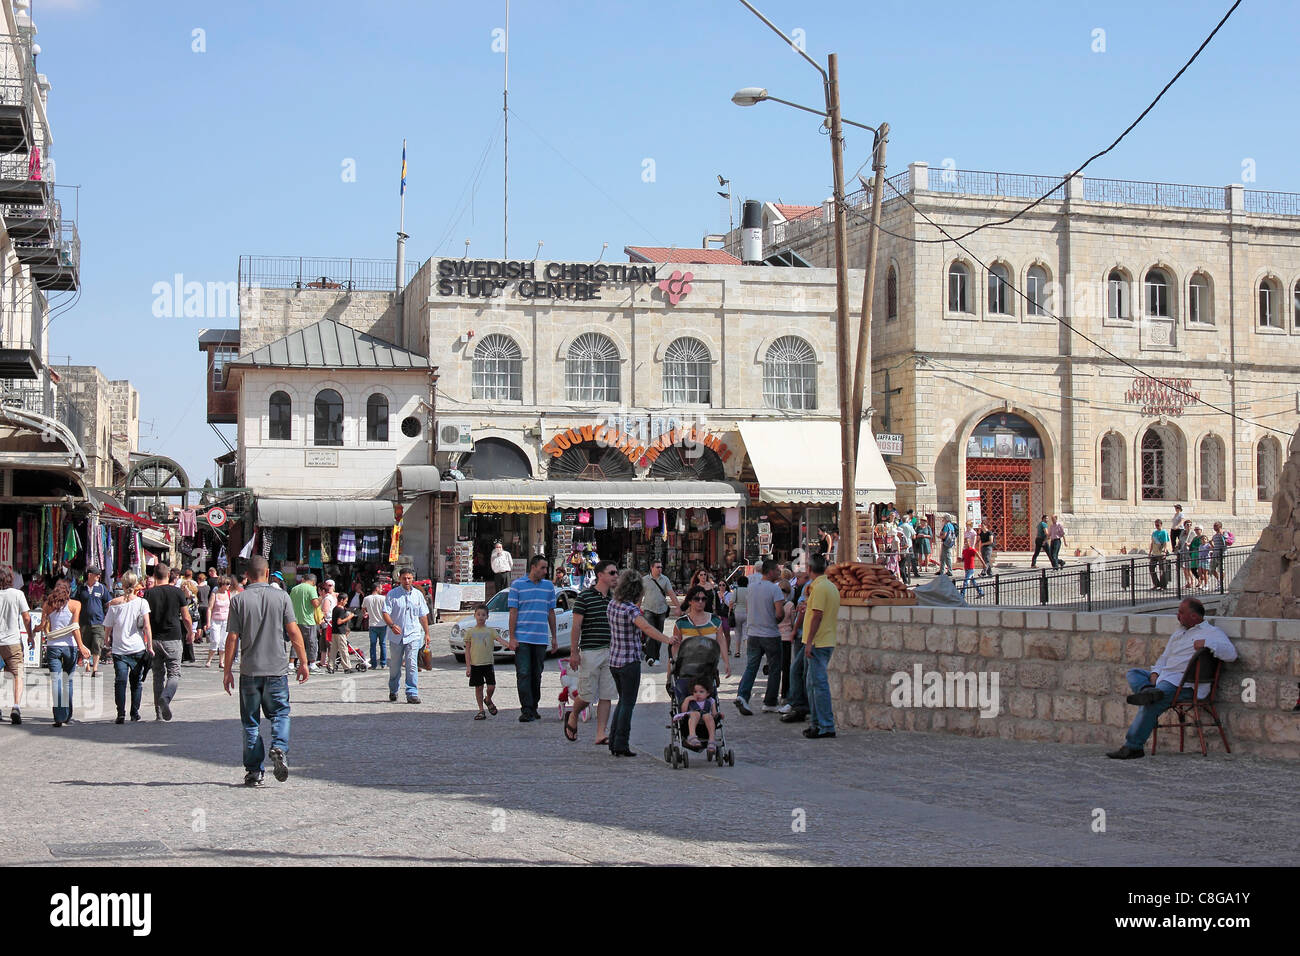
(455, 437)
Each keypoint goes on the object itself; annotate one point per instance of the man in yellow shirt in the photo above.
(819, 644)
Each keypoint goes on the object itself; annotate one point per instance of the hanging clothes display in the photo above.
(731, 519)
(222, 561)
(600, 519)
(651, 520)
(71, 544)
(395, 549)
(246, 551)
(187, 523)
(347, 546)
(267, 539)
(369, 546)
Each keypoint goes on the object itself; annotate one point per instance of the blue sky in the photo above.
(188, 159)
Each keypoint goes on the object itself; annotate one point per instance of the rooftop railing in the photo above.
(304, 272)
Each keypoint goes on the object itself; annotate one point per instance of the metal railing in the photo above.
(1277, 204)
(306, 272)
(1167, 195)
(1099, 586)
(15, 213)
(26, 397)
(976, 182)
(18, 330)
(17, 72)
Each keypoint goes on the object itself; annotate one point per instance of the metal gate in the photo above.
(1006, 500)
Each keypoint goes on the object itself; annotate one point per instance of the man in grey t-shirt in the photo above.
(766, 605)
(261, 627)
(659, 599)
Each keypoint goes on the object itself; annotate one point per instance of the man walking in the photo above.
(766, 608)
(795, 710)
(1055, 542)
(169, 622)
(305, 602)
(94, 597)
(502, 564)
(658, 592)
(262, 626)
(407, 615)
(532, 624)
(589, 643)
(819, 644)
(947, 541)
(15, 620)
(1156, 561)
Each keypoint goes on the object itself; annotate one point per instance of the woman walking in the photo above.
(126, 627)
(59, 617)
(739, 609)
(219, 611)
(922, 544)
(625, 621)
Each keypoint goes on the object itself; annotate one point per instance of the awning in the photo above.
(799, 461)
(321, 513)
(905, 474)
(154, 540)
(603, 494)
(509, 506)
(421, 479)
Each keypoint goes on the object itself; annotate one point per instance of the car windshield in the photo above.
(501, 601)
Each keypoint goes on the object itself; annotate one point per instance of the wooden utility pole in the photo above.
(848, 546)
(862, 368)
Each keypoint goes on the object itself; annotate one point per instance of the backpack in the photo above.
(949, 534)
(1229, 538)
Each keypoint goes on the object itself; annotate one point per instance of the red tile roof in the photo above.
(795, 212)
(695, 257)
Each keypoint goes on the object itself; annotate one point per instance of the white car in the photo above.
(499, 617)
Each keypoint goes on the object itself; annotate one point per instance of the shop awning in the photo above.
(799, 461)
(905, 474)
(645, 494)
(154, 540)
(321, 513)
(421, 479)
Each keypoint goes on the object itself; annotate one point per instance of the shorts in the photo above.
(12, 657)
(480, 674)
(92, 635)
(595, 682)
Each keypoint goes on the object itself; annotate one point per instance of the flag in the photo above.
(403, 191)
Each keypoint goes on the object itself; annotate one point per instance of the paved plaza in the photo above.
(374, 782)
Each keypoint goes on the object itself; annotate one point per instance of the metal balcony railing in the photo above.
(28, 398)
(31, 220)
(304, 272)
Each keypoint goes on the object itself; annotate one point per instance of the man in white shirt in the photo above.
(1176, 526)
(15, 623)
(502, 564)
(1154, 690)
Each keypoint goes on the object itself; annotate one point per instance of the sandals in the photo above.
(492, 708)
(602, 742)
(480, 716)
(570, 731)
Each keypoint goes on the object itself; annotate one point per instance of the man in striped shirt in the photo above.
(590, 651)
(532, 623)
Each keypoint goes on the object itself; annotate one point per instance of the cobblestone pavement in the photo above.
(374, 782)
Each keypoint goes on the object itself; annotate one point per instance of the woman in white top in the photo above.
(329, 599)
(126, 628)
(64, 650)
(219, 616)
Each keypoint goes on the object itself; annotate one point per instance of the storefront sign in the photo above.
(321, 458)
(1161, 396)
(754, 492)
(890, 444)
(480, 278)
(973, 506)
(7, 548)
(633, 448)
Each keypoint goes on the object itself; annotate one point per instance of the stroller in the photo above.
(356, 658)
(696, 660)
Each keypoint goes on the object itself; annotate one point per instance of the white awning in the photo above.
(324, 513)
(645, 494)
(799, 461)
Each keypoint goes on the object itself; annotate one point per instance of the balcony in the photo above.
(20, 348)
(55, 266)
(17, 94)
(27, 223)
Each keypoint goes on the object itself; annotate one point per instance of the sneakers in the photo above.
(812, 733)
(1126, 753)
(784, 709)
(392, 698)
(15, 717)
(165, 709)
(121, 719)
(412, 700)
(254, 778)
(280, 764)
(1144, 697)
(794, 717)
(771, 709)
(742, 705)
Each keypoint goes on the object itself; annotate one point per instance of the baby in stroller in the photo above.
(692, 691)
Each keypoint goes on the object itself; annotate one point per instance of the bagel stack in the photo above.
(868, 584)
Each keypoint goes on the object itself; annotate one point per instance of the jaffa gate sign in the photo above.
(484, 278)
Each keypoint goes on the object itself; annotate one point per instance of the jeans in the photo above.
(1040, 547)
(785, 668)
(628, 681)
(1054, 552)
(798, 696)
(400, 654)
(166, 670)
(1148, 714)
(530, 659)
(758, 648)
(986, 552)
(818, 687)
(128, 667)
(260, 696)
(1159, 573)
(63, 671)
(945, 559)
(969, 580)
(378, 658)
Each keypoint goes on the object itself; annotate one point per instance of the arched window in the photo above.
(1117, 295)
(377, 417)
(1295, 318)
(1157, 293)
(1162, 464)
(891, 294)
(591, 369)
(790, 374)
(498, 371)
(687, 372)
(1270, 304)
(1212, 483)
(1200, 303)
(329, 417)
(1114, 470)
(958, 288)
(1036, 289)
(281, 417)
(999, 290)
(1268, 464)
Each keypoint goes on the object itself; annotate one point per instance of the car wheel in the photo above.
(460, 658)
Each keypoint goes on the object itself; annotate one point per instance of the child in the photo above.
(968, 558)
(700, 705)
(340, 622)
(480, 641)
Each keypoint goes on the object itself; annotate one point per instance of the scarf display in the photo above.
(369, 550)
(347, 552)
(395, 549)
(325, 547)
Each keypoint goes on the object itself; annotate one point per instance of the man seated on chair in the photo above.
(1154, 691)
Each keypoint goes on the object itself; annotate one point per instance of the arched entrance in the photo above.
(1005, 465)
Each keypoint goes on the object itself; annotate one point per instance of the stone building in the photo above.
(105, 417)
(1185, 306)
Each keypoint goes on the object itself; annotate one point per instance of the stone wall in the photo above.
(1060, 674)
(269, 314)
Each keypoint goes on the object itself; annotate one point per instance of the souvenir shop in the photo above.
(345, 541)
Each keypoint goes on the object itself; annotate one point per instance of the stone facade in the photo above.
(269, 314)
(952, 367)
(1268, 584)
(1060, 674)
(108, 413)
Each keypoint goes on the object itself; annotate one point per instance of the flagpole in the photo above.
(401, 250)
(505, 111)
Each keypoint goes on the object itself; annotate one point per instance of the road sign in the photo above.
(216, 516)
